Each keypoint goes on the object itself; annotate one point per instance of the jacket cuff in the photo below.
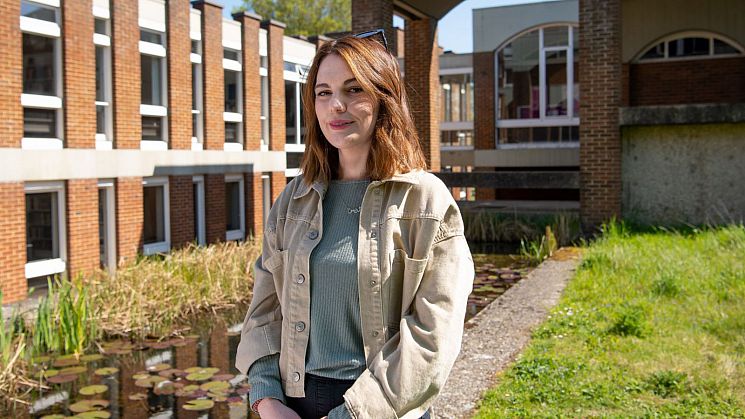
(339, 412)
(256, 343)
(366, 399)
(264, 379)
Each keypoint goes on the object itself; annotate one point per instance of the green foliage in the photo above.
(489, 226)
(305, 17)
(666, 383)
(536, 251)
(629, 322)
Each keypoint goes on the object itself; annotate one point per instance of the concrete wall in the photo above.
(684, 173)
(644, 22)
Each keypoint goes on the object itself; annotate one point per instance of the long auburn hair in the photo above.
(395, 144)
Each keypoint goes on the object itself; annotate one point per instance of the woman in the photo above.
(360, 293)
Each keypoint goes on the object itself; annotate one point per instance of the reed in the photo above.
(490, 226)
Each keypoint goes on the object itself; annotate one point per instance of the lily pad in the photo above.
(215, 386)
(50, 373)
(73, 370)
(106, 371)
(41, 359)
(65, 361)
(137, 396)
(212, 370)
(199, 404)
(94, 414)
(199, 376)
(94, 389)
(159, 367)
(164, 388)
(149, 381)
(223, 377)
(170, 373)
(61, 379)
(142, 376)
(55, 416)
(87, 405)
(91, 357)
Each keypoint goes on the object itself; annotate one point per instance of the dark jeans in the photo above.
(321, 395)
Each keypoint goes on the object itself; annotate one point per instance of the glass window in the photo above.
(38, 11)
(688, 47)
(231, 132)
(150, 36)
(101, 26)
(230, 54)
(264, 110)
(102, 226)
(100, 75)
(263, 61)
(195, 47)
(457, 138)
(557, 36)
(457, 97)
(539, 135)
(152, 128)
(232, 206)
(39, 123)
(42, 226)
(152, 80)
(231, 91)
(556, 83)
(100, 119)
(288, 66)
(519, 86)
(721, 47)
(38, 65)
(154, 230)
(290, 112)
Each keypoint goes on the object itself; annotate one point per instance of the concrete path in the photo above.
(495, 336)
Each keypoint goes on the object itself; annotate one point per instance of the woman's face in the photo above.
(345, 112)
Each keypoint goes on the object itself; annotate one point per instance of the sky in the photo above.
(455, 28)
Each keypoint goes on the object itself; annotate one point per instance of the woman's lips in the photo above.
(339, 124)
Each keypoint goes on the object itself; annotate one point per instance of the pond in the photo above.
(191, 376)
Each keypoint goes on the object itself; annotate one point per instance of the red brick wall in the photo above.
(719, 80)
(11, 69)
(82, 227)
(79, 63)
(179, 75)
(278, 181)
(125, 37)
(422, 66)
(600, 139)
(212, 75)
(214, 197)
(13, 245)
(251, 80)
(277, 131)
(129, 217)
(483, 111)
(181, 196)
(375, 14)
(254, 204)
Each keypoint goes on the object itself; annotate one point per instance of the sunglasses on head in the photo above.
(373, 32)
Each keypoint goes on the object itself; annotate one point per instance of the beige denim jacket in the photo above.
(415, 275)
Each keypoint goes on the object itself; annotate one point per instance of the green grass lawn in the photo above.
(652, 325)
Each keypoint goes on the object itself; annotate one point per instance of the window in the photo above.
(106, 225)
(234, 208)
(538, 87)
(45, 229)
(233, 109)
(231, 91)
(38, 11)
(199, 221)
(152, 80)
(156, 229)
(230, 54)
(153, 89)
(294, 75)
(264, 110)
(460, 138)
(152, 128)
(693, 45)
(39, 70)
(151, 37)
(101, 26)
(197, 119)
(104, 110)
(231, 132)
(457, 97)
(39, 123)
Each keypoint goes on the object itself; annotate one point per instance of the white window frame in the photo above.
(196, 61)
(107, 186)
(57, 265)
(163, 246)
(266, 186)
(689, 34)
(156, 50)
(200, 226)
(264, 114)
(299, 80)
(237, 117)
(543, 120)
(104, 141)
(238, 234)
(38, 27)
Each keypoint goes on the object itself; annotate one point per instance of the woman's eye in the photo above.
(355, 90)
(322, 93)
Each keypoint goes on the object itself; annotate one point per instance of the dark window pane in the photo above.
(194, 117)
(657, 51)
(230, 54)
(264, 61)
(290, 107)
(231, 91)
(556, 83)
(154, 222)
(101, 26)
(152, 80)
(38, 65)
(556, 36)
(195, 210)
(195, 47)
(100, 75)
(457, 138)
(39, 123)
(100, 119)
(231, 132)
(289, 66)
(194, 86)
(232, 206)
(538, 135)
(152, 128)
(721, 47)
(302, 117)
(518, 76)
(687, 47)
(102, 226)
(38, 11)
(42, 229)
(152, 37)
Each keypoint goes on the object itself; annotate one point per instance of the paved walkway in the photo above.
(495, 336)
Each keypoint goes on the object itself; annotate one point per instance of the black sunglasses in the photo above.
(373, 32)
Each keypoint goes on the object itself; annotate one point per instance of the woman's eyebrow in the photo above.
(324, 85)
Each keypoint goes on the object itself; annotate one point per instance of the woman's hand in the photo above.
(275, 409)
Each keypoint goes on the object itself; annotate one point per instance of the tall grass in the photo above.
(490, 226)
(652, 325)
(13, 385)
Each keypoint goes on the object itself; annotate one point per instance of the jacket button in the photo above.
(300, 279)
(375, 333)
(377, 191)
(372, 283)
(299, 326)
(313, 234)
(296, 376)
(373, 235)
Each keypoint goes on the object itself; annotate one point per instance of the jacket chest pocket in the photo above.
(277, 264)
(400, 287)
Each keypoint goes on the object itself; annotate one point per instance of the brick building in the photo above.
(138, 127)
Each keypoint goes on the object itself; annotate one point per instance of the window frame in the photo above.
(159, 51)
(298, 78)
(200, 225)
(570, 119)
(638, 59)
(105, 140)
(264, 113)
(165, 245)
(197, 137)
(47, 29)
(235, 117)
(56, 265)
(237, 234)
(107, 185)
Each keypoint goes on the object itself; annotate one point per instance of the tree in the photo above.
(304, 17)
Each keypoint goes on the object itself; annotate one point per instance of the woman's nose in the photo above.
(337, 105)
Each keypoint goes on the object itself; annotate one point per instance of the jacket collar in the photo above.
(320, 187)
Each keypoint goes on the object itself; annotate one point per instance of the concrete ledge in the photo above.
(708, 113)
(526, 180)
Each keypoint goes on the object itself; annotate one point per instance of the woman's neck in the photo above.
(353, 166)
